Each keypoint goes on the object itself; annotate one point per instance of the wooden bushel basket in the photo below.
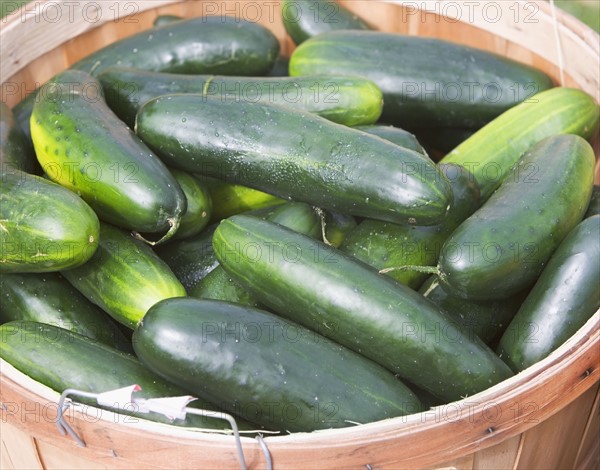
(545, 417)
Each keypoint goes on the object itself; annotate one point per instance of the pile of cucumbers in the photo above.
(187, 210)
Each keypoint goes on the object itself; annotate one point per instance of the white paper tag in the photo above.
(171, 407)
(121, 398)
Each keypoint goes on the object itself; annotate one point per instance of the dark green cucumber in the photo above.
(16, 151)
(230, 199)
(214, 45)
(62, 359)
(124, 277)
(492, 151)
(303, 19)
(49, 298)
(43, 226)
(199, 205)
(190, 259)
(347, 301)
(486, 319)
(268, 370)
(594, 205)
(218, 284)
(345, 100)
(83, 146)
(296, 156)
(395, 135)
(426, 82)
(502, 248)
(393, 247)
(564, 297)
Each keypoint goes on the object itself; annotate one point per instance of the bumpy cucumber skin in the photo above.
(395, 135)
(83, 146)
(43, 226)
(218, 284)
(15, 150)
(331, 293)
(564, 297)
(49, 298)
(492, 151)
(194, 344)
(594, 205)
(385, 245)
(303, 19)
(345, 100)
(190, 259)
(486, 319)
(410, 69)
(62, 359)
(296, 156)
(213, 45)
(124, 277)
(503, 247)
(199, 205)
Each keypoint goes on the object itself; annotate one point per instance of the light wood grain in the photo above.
(18, 449)
(498, 428)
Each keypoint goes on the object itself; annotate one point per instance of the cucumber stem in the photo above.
(173, 226)
(321, 213)
(420, 269)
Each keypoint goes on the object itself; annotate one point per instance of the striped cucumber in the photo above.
(502, 248)
(49, 298)
(296, 156)
(199, 205)
(16, 151)
(564, 297)
(491, 152)
(331, 293)
(83, 146)
(124, 277)
(246, 361)
(345, 100)
(43, 226)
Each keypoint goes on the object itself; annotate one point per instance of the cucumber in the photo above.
(443, 140)
(503, 247)
(303, 19)
(246, 361)
(337, 227)
(49, 298)
(162, 20)
(395, 135)
(426, 82)
(83, 146)
(491, 152)
(486, 319)
(62, 359)
(190, 259)
(218, 284)
(345, 100)
(199, 205)
(331, 293)
(213, 45)
(230, 199)
(296, 156)
(16, 151)
(392, 247)
(124, 277)
(564, 297)
(43, 226)
(594, 205)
